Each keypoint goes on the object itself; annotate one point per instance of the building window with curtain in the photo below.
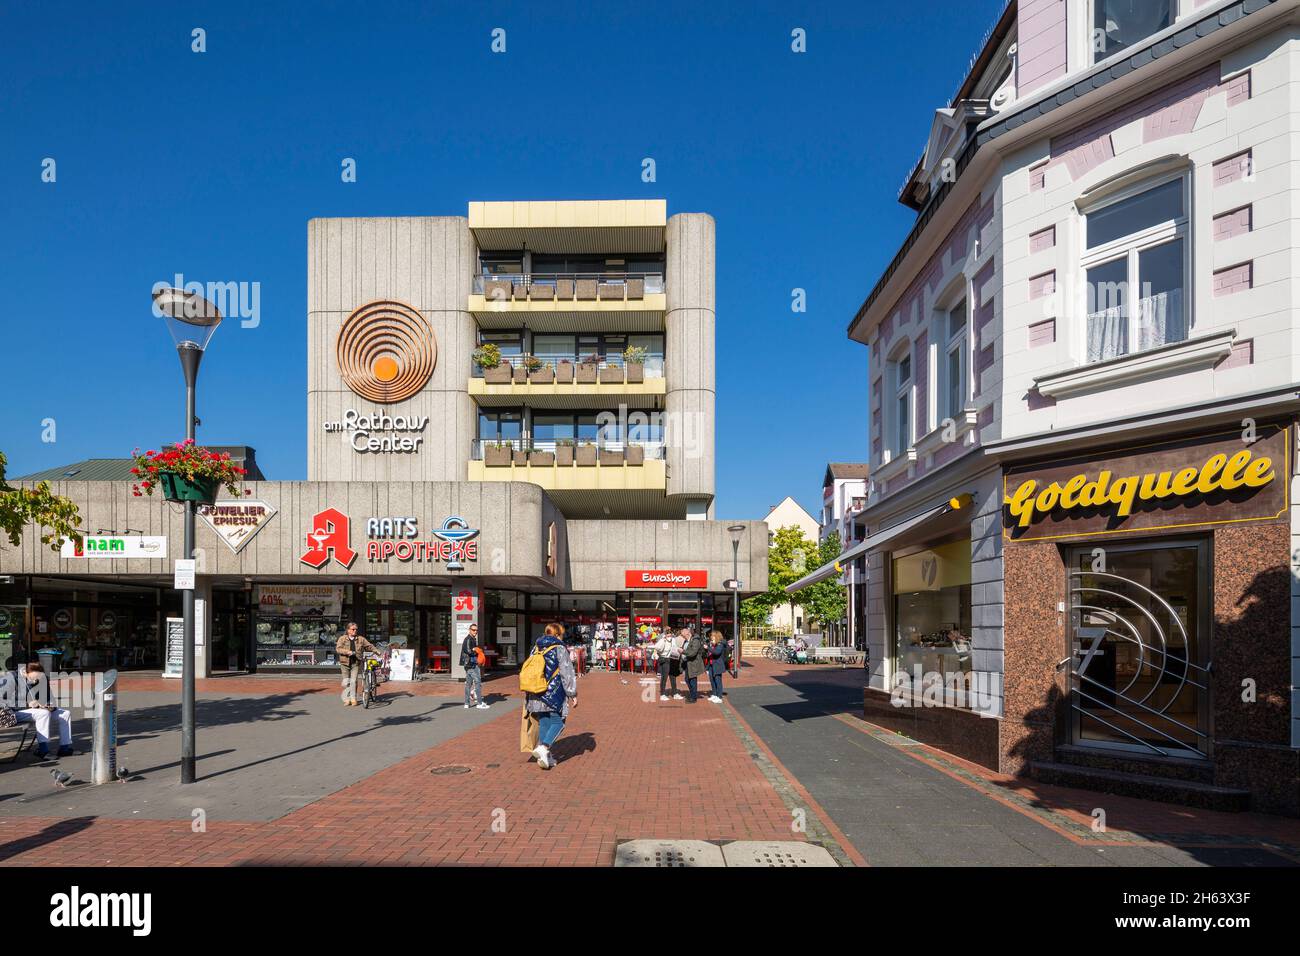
(1135, 268)
(954, 363)
(1120, 24)
(901, 430)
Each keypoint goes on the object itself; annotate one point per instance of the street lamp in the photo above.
(191, 320)
(737, 530)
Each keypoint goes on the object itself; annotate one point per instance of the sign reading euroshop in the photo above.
(1216, 480)
(657, 578)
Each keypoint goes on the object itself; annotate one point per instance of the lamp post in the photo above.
(736, 531)
(191, 320)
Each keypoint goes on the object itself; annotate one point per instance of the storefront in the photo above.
(1148, 612)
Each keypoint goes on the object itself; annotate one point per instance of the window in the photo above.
(902, 436)
(954, 404)
(500, 426)
(1119, 24)
(511, 344)
(932, 612)
(1135, 270)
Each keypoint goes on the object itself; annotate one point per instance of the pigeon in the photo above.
(122, 774)
(61, 778)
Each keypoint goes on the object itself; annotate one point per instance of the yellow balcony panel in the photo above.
(609, 226)
(572, 315)
(652, 476)
(647, 394)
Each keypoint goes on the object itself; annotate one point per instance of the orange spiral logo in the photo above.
(386, 352)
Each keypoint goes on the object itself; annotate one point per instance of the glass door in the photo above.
(1139, 633)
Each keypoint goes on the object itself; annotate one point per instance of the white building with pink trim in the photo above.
(1095, 312)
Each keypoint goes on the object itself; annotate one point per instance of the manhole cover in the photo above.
(443, 771)
(668, 853)
(776, 853)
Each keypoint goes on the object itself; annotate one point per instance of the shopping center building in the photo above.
(1084, 384)
(573, 480)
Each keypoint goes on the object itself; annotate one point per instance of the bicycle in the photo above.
(370, 679)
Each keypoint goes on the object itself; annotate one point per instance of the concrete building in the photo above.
(789, 514)
(573, 480)
(1084, 381)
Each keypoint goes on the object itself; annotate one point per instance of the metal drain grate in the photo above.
(449, 769)
(776, 853)
(668, 853)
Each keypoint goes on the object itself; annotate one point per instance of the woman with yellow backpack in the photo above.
(550, 692)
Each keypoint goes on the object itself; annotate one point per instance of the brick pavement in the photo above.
(627, 770)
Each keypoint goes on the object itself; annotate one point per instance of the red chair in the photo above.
(624, 657)
(638, 660)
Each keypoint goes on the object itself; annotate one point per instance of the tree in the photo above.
(826, 601)
(791, 556)
(55, 516)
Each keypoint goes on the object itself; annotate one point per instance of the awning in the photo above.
(871, 542)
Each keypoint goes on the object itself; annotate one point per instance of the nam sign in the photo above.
(115, 546)
(1220, 480)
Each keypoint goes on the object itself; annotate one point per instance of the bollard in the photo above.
(103, 753)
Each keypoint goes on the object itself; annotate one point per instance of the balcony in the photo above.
(570, 382)
(570, 471)
(566, 302)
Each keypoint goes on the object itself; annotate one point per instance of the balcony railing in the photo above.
(649, 450)
(568, 286)
(651, 367)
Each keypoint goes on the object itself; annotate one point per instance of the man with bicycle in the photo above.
(350, 649)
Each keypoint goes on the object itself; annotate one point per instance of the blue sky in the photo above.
(210, 165)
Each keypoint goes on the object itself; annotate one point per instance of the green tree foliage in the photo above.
(55, 515)
(826, 601)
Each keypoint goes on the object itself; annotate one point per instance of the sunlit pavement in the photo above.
(291, 777)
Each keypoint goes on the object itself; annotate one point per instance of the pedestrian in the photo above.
(717, 665)
(472, 659)
(692, 664)
(552, 705)
(349, 649)
(667, 664)
(27, 694)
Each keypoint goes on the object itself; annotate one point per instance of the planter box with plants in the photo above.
(608, 457)
(587, 370)
(586, 455)
(521, 455)
(542, 374)
(634, 362)
(488, 358)
(186, 472)
(541, 459)
(564, 452)
(611, 375)
(496, 455)
(635, 454)
(564, 372)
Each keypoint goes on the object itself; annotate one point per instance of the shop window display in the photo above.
(932, 612)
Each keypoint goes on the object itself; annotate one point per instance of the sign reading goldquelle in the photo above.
(1224, 479)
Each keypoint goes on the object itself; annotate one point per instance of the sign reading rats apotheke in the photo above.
(397, 538)
(1206, 481)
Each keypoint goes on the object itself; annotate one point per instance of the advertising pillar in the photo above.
(466, 599)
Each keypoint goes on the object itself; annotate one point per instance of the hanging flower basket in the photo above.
(178, 488)
(186, 472)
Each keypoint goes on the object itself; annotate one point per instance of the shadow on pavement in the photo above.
(50, 834)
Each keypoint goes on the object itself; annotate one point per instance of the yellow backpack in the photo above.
(532, 676)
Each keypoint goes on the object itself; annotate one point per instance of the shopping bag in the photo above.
(529, 730)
